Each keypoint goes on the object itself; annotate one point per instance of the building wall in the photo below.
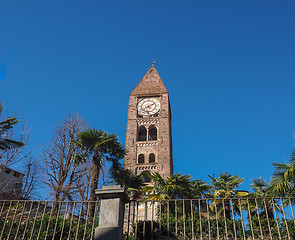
(10, 182)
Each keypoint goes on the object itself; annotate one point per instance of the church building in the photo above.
(148, 135)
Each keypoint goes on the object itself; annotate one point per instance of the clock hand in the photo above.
(149, 106)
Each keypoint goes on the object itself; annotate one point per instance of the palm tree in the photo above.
(177, 186)
(132, 182)
(283, 180)
(200, 189)
(259, 190)
(156, 192)
(98, 146)
(259, 187)
(225, 186)
(5, 143)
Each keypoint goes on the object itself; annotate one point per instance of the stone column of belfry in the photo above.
(148, 135)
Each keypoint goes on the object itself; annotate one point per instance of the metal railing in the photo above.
(234, 218)
(24, 219)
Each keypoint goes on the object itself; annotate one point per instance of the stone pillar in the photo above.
(111, 217)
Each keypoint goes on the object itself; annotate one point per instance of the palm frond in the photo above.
(9, 144)
(292, 157)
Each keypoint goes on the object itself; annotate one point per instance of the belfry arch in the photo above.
(152, 158)
(142, 134)
(140, 158)
(153, 133)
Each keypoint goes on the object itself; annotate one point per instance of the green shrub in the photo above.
(47, 228)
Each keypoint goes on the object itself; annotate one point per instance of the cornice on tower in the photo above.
(151, 83)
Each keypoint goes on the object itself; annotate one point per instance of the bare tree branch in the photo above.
(59, 170)
(31, 179)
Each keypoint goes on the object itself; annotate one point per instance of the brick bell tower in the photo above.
(148, 135)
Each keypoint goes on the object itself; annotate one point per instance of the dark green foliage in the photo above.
(182, 229)
(147, 230)
(48, 228)
(130, 237)
(5, 143)
(271, 226)
(131, 181)
(202, 226)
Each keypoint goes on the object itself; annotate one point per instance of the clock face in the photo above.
(148, 106)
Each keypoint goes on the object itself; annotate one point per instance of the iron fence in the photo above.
(234, 218)
(30, 220)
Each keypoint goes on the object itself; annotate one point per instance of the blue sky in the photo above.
(228, 66)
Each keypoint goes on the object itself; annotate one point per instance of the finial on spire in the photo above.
(154, 61)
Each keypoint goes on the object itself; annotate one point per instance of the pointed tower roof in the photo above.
(151, 83)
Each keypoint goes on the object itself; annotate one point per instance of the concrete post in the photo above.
(111, 217)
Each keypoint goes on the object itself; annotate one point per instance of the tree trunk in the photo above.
(227, 209)
(94, 182)
(57, 192)
(269, 209)
(56, 195)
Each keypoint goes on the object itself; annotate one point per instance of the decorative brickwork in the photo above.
(155, 141)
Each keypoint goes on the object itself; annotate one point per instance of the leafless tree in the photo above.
(83, 183)
(31, 179)
(60, 172)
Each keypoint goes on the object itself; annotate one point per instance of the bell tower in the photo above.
(148, 135)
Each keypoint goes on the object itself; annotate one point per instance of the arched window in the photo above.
(142, 132)
(152, 133)
(146, 177)
(152, 158)
(140, 158)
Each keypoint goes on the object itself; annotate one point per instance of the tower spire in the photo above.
(151, 83)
